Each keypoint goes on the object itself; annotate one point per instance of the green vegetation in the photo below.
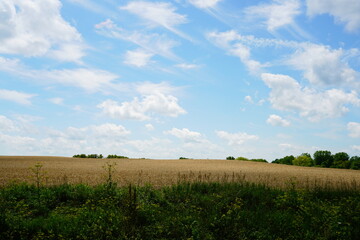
(100, 156)
(88, 156)
(116, 156)
(252, 160)
(322, 159)
(183, 211)
(230, 158)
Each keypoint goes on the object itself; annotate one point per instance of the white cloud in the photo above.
(15, 96)
(158, 14)
(159, 103)
(152, 43)
(354, 129)
(277, 14)
(344, 11)
(91, 80)
(276, 120)
(229, 42)
(57, 100)
(7, 125)
(356, 147)
(204, 3)
(149, 127)
(287, 95)
(138, 58)
(187, 66)
(324, 66)
(36, 28)
(249, 99)
(185, 134)
(234, 139)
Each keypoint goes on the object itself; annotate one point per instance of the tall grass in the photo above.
(196, 207)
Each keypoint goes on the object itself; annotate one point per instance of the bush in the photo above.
(303, 160)
(116, 156)
(285, 160)
(230, 158)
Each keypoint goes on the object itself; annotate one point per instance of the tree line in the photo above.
(100, 156)
(322, 158)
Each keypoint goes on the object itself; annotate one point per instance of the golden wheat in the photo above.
(167, 172)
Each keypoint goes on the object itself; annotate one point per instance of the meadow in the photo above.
(66, 198)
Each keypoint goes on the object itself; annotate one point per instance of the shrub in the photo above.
(230, 158)
(303, 160)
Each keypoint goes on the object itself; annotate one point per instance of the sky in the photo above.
(181, 78)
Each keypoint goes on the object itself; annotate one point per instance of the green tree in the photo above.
(341, 160)
(242, 159)
(323, 158)
(303, 160)
(355, 163)
(285, 160)
(230, 158)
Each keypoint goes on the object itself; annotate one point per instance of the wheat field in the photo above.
(59, 170)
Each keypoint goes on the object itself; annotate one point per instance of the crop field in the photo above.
(59, 170)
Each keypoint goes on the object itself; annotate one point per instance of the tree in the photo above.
(341, 160)
(355, 163)
(242, 159)
(285, 160)
(303, 160)
(230, 158)
(323, 158)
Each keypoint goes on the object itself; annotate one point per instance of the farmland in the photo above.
(59, 170)
(70, 198)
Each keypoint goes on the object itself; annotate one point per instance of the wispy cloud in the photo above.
(138, 58)
(153, 43)
(17, 97)
(277, 14)
(92, 80)
(161, 14)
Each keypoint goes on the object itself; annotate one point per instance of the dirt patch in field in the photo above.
(60, 170)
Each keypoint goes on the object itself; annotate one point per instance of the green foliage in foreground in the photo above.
(183, 211)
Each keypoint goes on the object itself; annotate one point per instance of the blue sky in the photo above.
(190, 78)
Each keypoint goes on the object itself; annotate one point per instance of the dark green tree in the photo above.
(355, 163)
(341, 160)
(230, 158)
(323, 158)
(285, 160)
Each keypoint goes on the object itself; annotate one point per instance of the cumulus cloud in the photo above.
(185, 134)
(204, 3)
(234, 139)
(354, 129)
(324, 66)
(142, 109)
(36, 28)
(152, 43)
(276, 120)
(138, 58)
(344, 11)
(17, 97)
(287, 95)
(277, 14)
(158, 14)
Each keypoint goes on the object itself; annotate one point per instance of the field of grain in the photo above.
(59, 170)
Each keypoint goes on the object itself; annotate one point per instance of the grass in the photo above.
(182, 211)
